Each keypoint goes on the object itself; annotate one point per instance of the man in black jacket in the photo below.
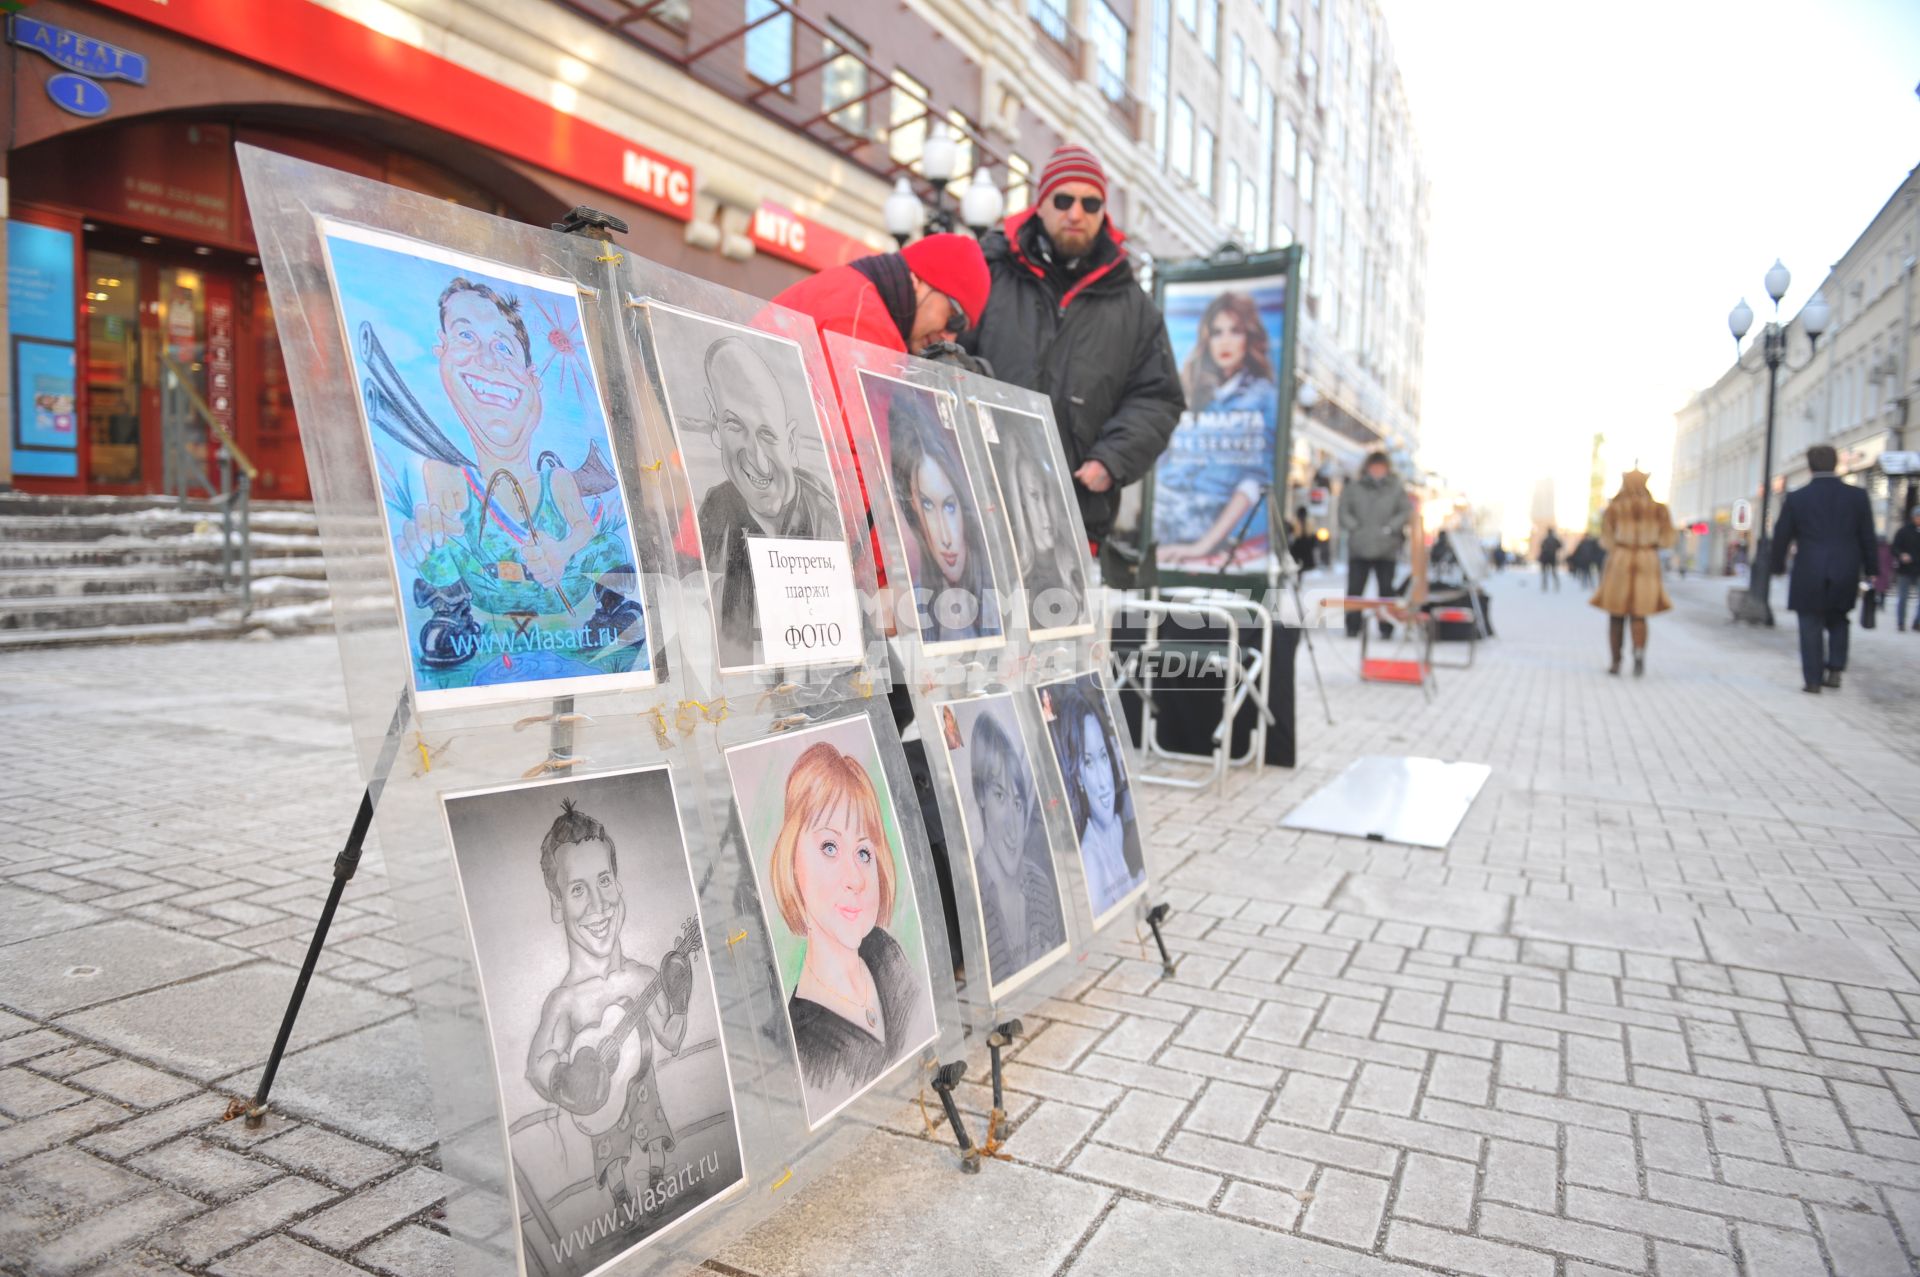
(1906, 566)
(1833, 523)
(1067, 318)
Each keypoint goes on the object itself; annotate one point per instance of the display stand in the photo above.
(521, 1181)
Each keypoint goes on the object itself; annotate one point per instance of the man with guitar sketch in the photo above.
(592, 1054)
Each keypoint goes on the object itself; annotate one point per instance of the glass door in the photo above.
(114, 381)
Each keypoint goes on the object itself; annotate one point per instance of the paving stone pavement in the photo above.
(1652, 1011)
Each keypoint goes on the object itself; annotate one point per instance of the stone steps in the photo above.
(92, 569)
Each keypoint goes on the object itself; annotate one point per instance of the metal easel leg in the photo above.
(345, 865)
(1156, 916)
(998, 1040)
(944, 1080)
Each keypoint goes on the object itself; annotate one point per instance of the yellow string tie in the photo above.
(736, 937)
(779, 1183)
(426, 760)
(658, 722)
(615, 258)
(550, 765)
(791, 720)
(652, 466)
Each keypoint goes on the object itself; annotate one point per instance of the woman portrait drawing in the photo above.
(1099, 800)
(1050, 554)
(956, 598)
(1020, 909)
(838, 896)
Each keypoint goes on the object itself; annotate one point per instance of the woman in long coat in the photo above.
(1633, 531)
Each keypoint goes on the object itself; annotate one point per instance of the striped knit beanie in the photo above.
(1071, 164)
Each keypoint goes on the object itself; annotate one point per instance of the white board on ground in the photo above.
(1420, 801)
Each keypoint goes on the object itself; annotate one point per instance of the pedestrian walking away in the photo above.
(1906, 568)
(1633, 531)
(1374, 510)
(1550, 561)
(1068, 318)
(1831, 524)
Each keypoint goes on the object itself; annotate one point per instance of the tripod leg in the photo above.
(345, 865)
(1313, 658)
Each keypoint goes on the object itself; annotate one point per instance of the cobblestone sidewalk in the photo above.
(1651, 1012)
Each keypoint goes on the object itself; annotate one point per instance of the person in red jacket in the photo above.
(927, 292)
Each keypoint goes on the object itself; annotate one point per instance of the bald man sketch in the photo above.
(766, 492)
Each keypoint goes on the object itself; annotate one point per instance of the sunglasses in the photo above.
(1092, 203)
(956, 317)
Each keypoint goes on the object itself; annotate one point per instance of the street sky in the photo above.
(1607, 181)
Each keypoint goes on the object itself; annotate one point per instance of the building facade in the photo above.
(1853, 389)
(745, 141)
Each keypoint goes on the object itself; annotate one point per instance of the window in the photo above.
(1309, 72)
(1160, 75)
(1189, 11)
(1203, 160)
(1256, 92)
(1263, 173)
(1180, 141)
(770, 44)
(1229, 192)
(1289, 148)
(1051, 17)
(1306, 176)
(1110, 37)
(843, 83)
(1019, 183)
(907, 123)
(1210, 29)
(1249, 219)
(1237, 70)
(1270, 12)
(961, 131)
(1294, 43)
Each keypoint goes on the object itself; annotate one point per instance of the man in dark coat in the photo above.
(1833, 524)
(1067, 318)
(1550, 561)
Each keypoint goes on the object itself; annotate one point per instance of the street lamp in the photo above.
(980, 205)
(1814, 316)
(902, 212)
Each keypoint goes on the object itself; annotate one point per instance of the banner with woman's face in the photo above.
(1212, 483)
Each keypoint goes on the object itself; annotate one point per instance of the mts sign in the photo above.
(658, 181)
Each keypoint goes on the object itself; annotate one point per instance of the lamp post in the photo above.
(980, 206)
(1758, 608)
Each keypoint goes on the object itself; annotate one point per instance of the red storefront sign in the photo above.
(783, 233)
(304, 40)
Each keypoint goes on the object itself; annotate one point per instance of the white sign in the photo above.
(1317, 502)
(808, 612)
(1742, 515)
(1900, 462)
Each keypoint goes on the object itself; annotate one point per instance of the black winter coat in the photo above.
(1833, 523)
(1907, 541)
(1098, 348)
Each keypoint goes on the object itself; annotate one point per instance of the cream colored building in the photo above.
(748, 142)
(1853, 389)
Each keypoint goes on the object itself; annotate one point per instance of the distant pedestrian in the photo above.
(1374, 510)
(1584, 560)
(1831, 523)
(1633, 531)
(1550, 561)
(1067, 317)
(1906, 568)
